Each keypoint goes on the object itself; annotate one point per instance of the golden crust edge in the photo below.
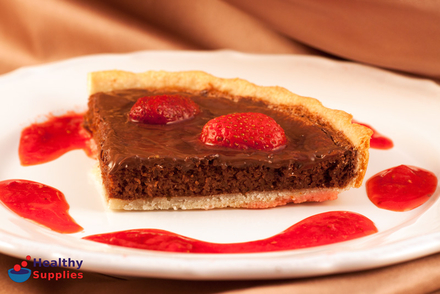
(359, 136)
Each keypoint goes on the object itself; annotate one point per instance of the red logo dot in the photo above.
(17, 267)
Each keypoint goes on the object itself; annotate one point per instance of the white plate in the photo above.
(405, 109)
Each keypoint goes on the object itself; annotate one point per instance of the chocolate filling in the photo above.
(140, 160)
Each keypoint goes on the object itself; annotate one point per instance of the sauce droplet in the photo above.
(321, 229)
(46, 141)
(401, 188)
(40, 203)
(378, 141)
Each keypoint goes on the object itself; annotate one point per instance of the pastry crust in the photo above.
(197, 81)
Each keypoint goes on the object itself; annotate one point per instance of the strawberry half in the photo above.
(243, 131)
(163, 109)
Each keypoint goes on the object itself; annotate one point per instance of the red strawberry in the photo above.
(244, 131)
(163, 109)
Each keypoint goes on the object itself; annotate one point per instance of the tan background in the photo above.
(400, 35)
(396, 34)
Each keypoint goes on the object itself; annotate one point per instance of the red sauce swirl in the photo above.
(401, 188)
(40, 203)
(378, 141)
(321, 229)
(46, 141)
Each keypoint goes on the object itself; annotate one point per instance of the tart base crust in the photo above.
(249, 200)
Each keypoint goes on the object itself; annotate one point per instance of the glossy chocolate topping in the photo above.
(127, 143)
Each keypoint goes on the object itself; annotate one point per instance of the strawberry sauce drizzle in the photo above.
(321, 229)
(46, 141)
(401, 188)
(378, 141)
(40, 203)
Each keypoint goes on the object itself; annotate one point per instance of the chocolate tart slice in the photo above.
(149, 167)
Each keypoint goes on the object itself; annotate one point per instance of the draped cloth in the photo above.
(398, 35)
(401, 35)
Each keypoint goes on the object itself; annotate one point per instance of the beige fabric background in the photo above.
(400, 35)
(396, 34)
